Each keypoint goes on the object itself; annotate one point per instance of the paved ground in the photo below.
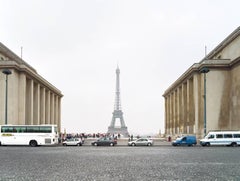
(119, 163)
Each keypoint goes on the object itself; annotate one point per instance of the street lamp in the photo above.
(205, 70)
(6, 72)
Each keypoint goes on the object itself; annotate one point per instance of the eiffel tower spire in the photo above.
(117, 104)
(117, 113)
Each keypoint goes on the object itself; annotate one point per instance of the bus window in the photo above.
(14, 130)
(46, 129)
(227, 135)
(7, 129)
(219, 135)
(20, 129)
(33, 129)
(236, 135)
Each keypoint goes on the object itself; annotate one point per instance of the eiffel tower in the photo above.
(117, 113)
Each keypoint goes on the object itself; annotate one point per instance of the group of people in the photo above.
(84, 136)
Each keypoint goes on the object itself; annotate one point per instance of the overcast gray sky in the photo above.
(76, 45)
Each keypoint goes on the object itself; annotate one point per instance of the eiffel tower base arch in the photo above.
(118, 130)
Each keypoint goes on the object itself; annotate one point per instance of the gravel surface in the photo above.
(119, 163)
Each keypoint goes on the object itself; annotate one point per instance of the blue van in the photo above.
(185, 141)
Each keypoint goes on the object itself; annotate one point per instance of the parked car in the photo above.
(105, 141)
(72, 142)
(141, 142)
(185, 141)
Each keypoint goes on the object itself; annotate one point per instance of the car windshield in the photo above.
(179, 138)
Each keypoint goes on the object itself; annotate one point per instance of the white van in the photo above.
(229, 138)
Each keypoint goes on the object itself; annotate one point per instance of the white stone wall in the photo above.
(235, 98)
(217, 80)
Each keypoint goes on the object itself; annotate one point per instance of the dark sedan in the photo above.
(105, 141)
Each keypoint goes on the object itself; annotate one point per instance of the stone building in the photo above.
(184, 99)
(32, 100)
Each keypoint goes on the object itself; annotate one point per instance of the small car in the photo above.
(72, 142)
(185, 141)
(105, 141)
(141, 142)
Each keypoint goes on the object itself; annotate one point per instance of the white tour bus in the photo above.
(32, 135)
(228, 138)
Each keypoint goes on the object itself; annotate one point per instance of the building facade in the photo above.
(31, 99)
(184, 99)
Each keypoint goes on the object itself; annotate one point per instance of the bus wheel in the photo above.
(234, 144)
(33, 143)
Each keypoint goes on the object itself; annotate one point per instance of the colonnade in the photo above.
(183, 106)
(43, 106)
(31, 101)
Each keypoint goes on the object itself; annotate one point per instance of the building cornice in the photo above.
(15, 62)
(223, 44)
(12, 56)
(195, 68)
(11, 64)
(209, 61)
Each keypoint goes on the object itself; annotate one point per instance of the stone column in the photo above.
(188, 106)
(184, 107)
(171, 114)
(167, 120)
(56, 110)
(178, 110)
(59, 114)
(47, 107)
(174, 112)
(29, 102)
(181, 110)
(201, 105)
(191, 106)
(51, 108)
(12, 97)
(42, 106)
(166, 115)
(196, 95)
(36, 113)
(22, 99)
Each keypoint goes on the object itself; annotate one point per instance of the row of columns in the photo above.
(38, 104)
(182, 108)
